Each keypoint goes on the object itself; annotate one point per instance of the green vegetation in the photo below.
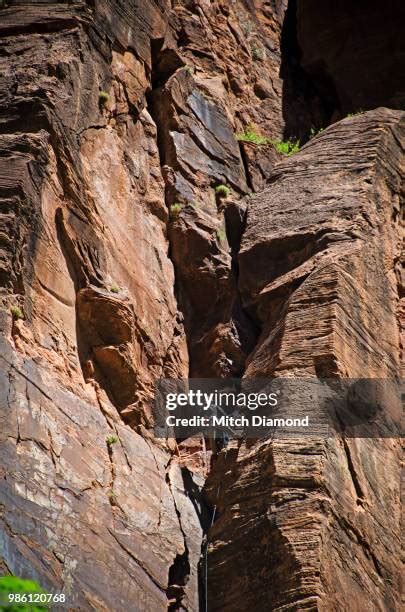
(3, 4)
(286, 147)
(103, 98)
(250, 135)
(111, 440)
(16, 312)
(221, 235)
(314, 132)
(190, 69)
(12, 585)
(114, 289)
(359, 112)
(258, 53)
(222, 191)
(175, 210)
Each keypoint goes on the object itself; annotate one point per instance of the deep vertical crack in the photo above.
(179, 571)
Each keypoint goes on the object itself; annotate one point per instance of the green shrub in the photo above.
(111, 440)
(222, 191)
(250, 135)
(175, 210)
(359, 112)
(286, 147)
(103, 98)
(114, 289)
(10, 585)
(258, 54)
(16, 312)
(314, 132)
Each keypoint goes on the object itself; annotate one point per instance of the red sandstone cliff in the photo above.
(113, 112)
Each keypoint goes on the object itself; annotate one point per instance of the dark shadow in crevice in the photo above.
(165, 62)
(304, 106)
(339, 58)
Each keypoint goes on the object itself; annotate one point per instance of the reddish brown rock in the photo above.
(317, 271)
(84, 255)
(112, 112)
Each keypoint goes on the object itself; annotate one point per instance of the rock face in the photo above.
(334, 235)
(320, 278)
(84, 254)
(121, 264)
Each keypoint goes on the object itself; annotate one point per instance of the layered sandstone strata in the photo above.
(303, 521)
(114, 112)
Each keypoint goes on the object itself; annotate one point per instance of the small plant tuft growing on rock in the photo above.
(114, 289)
(258, 54)
(250, 135)
(16, 312)
(286, 147)
(314, 132)
(359, 112)
(247, 27)
(175, 210)
(222, 191)
(110, 440)
(103, 98)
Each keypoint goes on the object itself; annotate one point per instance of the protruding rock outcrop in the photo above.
(319, 270)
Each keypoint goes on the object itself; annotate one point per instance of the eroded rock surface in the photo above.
(85, 195)
(319, 269)
(114, 112)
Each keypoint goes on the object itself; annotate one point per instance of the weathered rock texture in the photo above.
(84, 255)
(118, 120)
(322, 278)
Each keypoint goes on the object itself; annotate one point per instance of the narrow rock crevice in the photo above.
(165, 62)
(111, 493)
(245, 162)
(179, 571)
(350, 465)
(205, 514)
(196, 254)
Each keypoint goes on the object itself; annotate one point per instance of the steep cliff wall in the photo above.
(120, 264)
(312, 515)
